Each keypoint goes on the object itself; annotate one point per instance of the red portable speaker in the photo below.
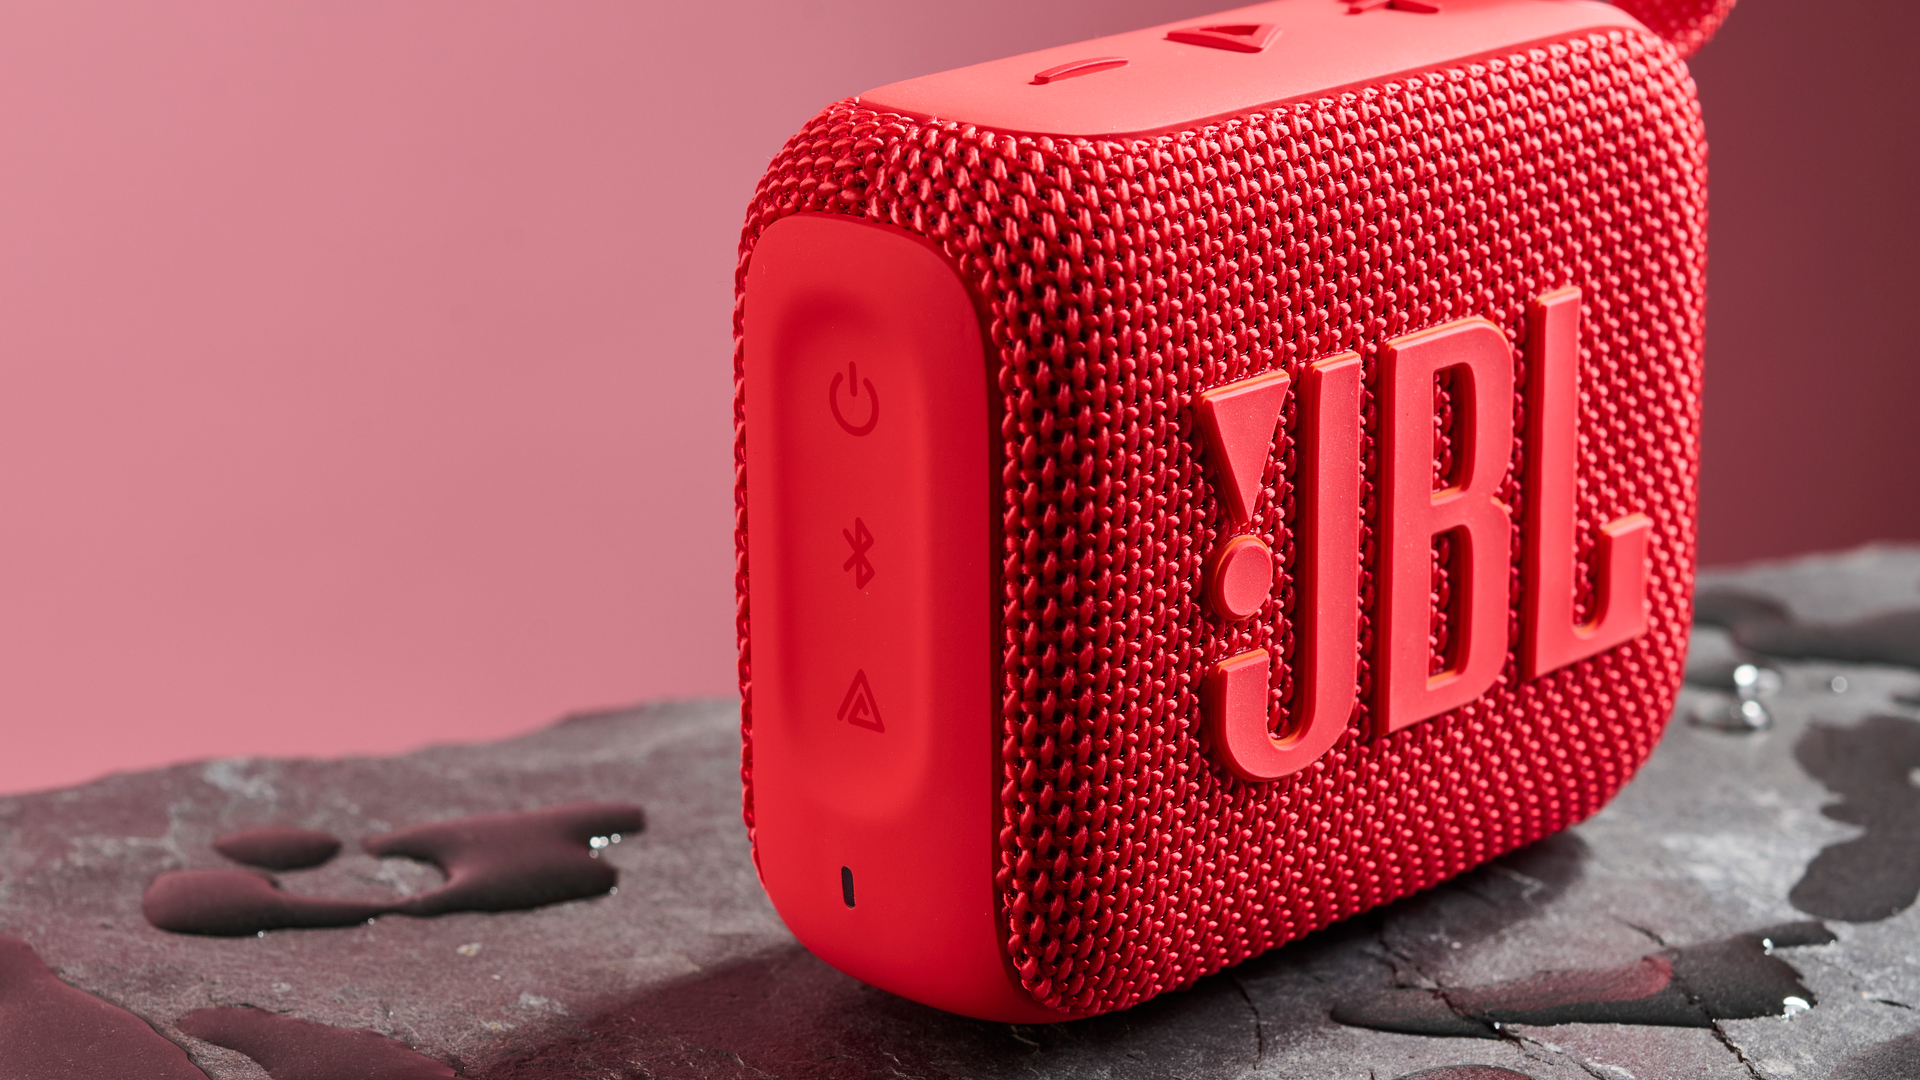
(1202, 483)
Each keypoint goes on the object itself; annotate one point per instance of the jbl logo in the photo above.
(1240, 421)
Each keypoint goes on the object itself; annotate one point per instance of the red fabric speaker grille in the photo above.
(1122, 278)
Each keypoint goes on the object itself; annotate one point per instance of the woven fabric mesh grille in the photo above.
(1122, 278)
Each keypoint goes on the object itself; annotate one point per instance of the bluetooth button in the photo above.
(860, 540)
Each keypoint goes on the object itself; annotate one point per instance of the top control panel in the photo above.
(1177, 75)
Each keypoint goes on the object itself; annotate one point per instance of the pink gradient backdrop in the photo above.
(364, 365)
(364, 371)
(1813, 365)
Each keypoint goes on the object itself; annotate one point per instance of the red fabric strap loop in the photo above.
(1686, 23)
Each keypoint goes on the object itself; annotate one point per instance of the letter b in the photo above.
(1413, 514)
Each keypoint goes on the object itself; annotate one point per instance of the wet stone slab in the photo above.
(685, 971)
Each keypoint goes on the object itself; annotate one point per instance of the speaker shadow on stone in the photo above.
(785, 1013)
(1428, 928)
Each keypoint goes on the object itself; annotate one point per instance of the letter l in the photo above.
(1552, 639)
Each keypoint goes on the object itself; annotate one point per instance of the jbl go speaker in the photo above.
(1198, 484)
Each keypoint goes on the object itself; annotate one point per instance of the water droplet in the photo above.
(598, 842)
(615, 838)
(613, 890)
(1793, 1006)
(1839, 684)
(1720, 714)
(260, 933)
(1753, 681)
(1766, 945)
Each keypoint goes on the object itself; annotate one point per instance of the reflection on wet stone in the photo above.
(493, 862)
(276, 847)
(1737, 978)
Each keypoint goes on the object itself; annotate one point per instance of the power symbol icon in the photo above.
(854, 383)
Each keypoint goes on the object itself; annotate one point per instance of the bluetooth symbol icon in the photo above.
(860, 540)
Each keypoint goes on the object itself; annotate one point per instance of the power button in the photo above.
(864, 408)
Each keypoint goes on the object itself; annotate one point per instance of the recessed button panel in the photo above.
(875, 727)
(1183, 74)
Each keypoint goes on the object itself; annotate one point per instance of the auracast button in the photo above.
(1237, 37)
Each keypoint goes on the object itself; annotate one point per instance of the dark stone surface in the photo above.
(686, 971)
(1895, 1059)
(293, 1049)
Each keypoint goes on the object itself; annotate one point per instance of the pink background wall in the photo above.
(364, 364)
(1813, 366)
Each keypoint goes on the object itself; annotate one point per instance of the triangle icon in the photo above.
(1240, 421)
(858, 707)
(1237, 37)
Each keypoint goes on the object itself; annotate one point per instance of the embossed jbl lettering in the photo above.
(1240, 422)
